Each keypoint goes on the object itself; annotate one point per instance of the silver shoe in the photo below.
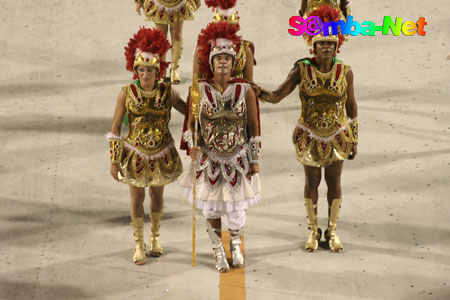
(221, 259)
(237, 259)
(219, 253)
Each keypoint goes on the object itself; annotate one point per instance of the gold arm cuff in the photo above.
(115, 150)
(354, 127)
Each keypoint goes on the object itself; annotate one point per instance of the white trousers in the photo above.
(234, 220)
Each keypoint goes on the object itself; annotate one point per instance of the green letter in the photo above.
(389, 24)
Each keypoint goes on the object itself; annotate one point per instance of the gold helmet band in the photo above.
(146, 59)
(322, 38)
(221, 16)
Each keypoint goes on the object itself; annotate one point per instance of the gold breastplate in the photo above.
(323, 97)
(223, 118)
(149, 116)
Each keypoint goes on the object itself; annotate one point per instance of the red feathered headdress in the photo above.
(147, 47)
(223, 4)
(223, 10)
(216, 38)
(327, 14)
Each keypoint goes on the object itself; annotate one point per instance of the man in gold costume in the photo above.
(223, 11)
(147, 156)
(327, 131)
(170, 14)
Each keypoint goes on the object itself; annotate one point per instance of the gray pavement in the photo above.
(64, 230)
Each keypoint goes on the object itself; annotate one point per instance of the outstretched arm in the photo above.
(284, 89)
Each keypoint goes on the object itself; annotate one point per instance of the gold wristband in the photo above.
(115, 150)
(354, 127)
(264, 95)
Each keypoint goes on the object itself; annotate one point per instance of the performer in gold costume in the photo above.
(147, 156)
(327, 130)
(228, 151)
(223, 11)
(170, 13)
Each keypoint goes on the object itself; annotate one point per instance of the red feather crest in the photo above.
(148, 40)
(223, 4)
(208, 36)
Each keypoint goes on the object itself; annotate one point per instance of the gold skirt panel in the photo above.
(169, 12)
(319, 152)
(143, 172)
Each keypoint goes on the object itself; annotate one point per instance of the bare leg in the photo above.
(176, 32)
(303, 7)
(312, 180)
(217, 225)
(333, 180)
(156, 197)
(164, 28)
(137, 202)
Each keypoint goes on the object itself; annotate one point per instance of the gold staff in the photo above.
(195, 108)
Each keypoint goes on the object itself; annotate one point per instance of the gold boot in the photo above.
(333, 240)
(139, 251)
(315, 233)
(155, 247)
(177, 47)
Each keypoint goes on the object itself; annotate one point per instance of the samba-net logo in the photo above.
(313, 26)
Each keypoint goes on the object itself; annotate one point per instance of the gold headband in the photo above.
(218, 17)
(146, 62)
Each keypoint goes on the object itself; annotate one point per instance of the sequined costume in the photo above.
(323, 133)
(169, 12)
(149, 157)
(223, 182)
